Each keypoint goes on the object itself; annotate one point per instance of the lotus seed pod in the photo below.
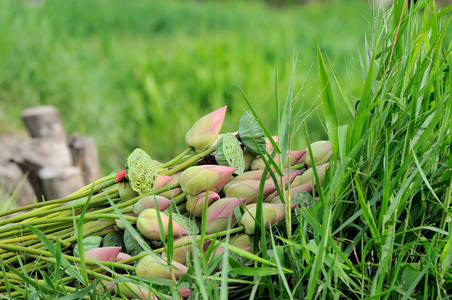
(221, 213)
(197, 179)
(149, 202)
(125, 191)
(273, 214)
(229, 153)
(308, 175)
(195, 204)
(149, 266)
(141, 172)
(148, 225)
(204, 132)
(322, 152)
(248, 189)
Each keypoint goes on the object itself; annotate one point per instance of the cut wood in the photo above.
(44, 122)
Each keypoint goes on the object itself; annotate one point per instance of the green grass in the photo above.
(381, 227)
(132, 75)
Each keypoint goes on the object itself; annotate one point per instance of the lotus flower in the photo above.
(195, 204)
(248, 189)
(103, 253)
(197, 179)
(273, 214)
(205, 131)
(219, 213)
(148, 266)
(149, 202)
(322, 152)
(132, 291)
(148, 225)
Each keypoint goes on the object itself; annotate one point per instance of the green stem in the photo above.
(176, 159)
(188, 162)
(298, 167)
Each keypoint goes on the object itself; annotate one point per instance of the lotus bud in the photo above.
(250, 175)
(185, 292)
(294, 190)
(243, 242)
(322, 152)
(197, 179)
(148, 225)
(180, 253)
(195, 204)
(103, 253)
(94, 224)
(162, 181)
(120, 224)
(273, 214)
(148, 266)
(248, 157)
(248, 189)
(292, 159)
(269, 146)
(308, 175)
(134, 291)
(205, 131)
(125, 191)
(219, 213)
(173, 192)
(288, 177)
(149, 202)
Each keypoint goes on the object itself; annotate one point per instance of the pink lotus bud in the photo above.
(294, 190)
(322, 152)
(148, 225)
(205, 131)
(149, 202)
(120, 224)
(134, 291)
(197, 179)
(185, 292)
(150, 267)
(219, 213)
(106, 286)
(123, 256)
(195, 204)
(308, 175)
(287, 178)
(173, 192)
(250, 175)
(103, 253)
(248, 189)
(273, 214)
(269, 146)
(292, 159)
(162, 181)
(180, 253)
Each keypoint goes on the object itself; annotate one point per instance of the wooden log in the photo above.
(60, 182)
(37, 153)
(85, 156)
(15, 189)
(44, 122)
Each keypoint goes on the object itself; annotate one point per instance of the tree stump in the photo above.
(60, 182)
(44, 122)
(85, 156)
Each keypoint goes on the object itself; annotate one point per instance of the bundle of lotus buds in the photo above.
(152, 218)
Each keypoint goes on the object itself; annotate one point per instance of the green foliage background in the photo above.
(139, 74)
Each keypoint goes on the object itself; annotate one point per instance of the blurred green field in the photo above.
(140, 74)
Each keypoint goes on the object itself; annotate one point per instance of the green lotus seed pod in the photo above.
(141, 172)
(229, 153)
(251, 134)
